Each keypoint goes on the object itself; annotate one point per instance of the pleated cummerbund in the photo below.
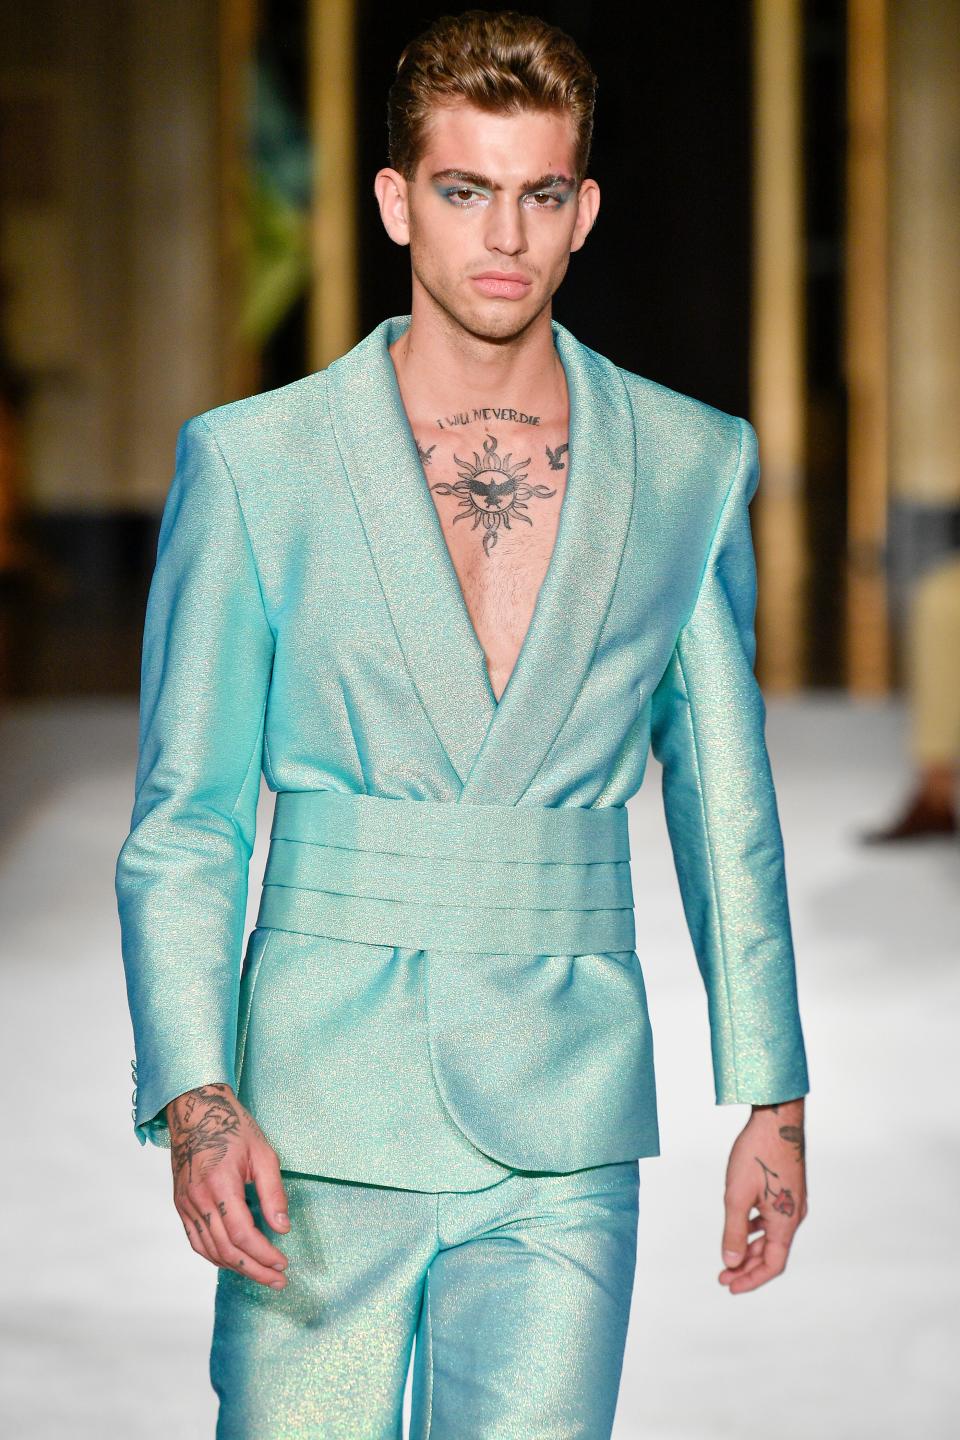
(427, 874)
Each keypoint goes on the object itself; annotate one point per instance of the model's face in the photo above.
(493, 194)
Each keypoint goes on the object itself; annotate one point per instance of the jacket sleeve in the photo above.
(707, 730)
(182, 871)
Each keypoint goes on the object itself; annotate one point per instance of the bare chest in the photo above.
(498, 492)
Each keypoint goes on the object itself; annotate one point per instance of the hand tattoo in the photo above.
(782, 1199)
(201, 1126)
(793, 1134)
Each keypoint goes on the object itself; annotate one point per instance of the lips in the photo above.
(502, 286)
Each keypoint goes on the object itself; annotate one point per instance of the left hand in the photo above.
(766, 1172)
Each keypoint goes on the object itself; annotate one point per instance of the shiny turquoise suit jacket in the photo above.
(442, 983)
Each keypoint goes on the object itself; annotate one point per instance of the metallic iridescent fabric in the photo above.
(305, 618)
(518, 1297)
(475, 880)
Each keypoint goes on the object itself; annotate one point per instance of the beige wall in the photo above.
(925, 251)
(109, 239)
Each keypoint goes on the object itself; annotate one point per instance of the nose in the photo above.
(505, 229)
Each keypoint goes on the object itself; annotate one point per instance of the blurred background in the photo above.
(186, 217)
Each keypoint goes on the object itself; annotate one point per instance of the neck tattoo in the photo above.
(486, 413)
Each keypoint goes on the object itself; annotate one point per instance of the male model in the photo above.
(445, 594)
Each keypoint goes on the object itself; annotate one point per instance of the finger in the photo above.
(213, 1227)
(774, 1263)
(752, 1280)
(753, 1253)
(750, 1264)
(733, 1246)
(194, 1234)
(206, 1232)
(270, 1189)
(235, 1258)
(230, 1256)
(240, 1230)
(197, 1233)
(755, 1247)
(236, 1233)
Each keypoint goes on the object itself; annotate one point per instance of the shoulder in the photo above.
(704, 454)
(704, 431)
(670, 425)
(264, 423)
(256, 448)
(694, 456)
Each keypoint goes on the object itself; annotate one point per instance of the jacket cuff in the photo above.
(149, 1111)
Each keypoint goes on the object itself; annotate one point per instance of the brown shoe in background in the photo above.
(920, 819)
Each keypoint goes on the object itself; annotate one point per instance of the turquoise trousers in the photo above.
(516, 1298)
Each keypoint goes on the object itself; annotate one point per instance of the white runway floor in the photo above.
(106, 1310)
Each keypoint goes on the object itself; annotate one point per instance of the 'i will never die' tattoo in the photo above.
(487, 413)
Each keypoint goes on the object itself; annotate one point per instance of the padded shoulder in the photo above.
(255, 423)
(705, 428)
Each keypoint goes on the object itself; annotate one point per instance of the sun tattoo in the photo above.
(503, 491)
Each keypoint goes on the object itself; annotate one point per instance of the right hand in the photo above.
(216, 1148)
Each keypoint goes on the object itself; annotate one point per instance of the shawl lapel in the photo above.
(495, 748)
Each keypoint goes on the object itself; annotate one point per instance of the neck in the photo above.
(440, 365)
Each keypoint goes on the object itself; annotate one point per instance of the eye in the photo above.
(454, 195)
(546, 195)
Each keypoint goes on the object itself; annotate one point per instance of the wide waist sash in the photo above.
(428, 874)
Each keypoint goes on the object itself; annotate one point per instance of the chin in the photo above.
(497, 322)
(500, 319)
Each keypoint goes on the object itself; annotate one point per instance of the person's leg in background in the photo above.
(933, 687)
(525, 1308)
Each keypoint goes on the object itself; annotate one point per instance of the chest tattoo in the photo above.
(493, 490)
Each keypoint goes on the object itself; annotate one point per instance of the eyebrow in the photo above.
(470, 177)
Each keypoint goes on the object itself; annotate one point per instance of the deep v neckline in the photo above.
(436, 540)
(494, 746)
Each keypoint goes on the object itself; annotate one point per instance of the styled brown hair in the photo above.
(499, 61)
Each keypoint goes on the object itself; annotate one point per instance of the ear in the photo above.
(390, 189)
(588, 203)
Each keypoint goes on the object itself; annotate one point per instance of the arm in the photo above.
(181, 874)
(707, 730)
